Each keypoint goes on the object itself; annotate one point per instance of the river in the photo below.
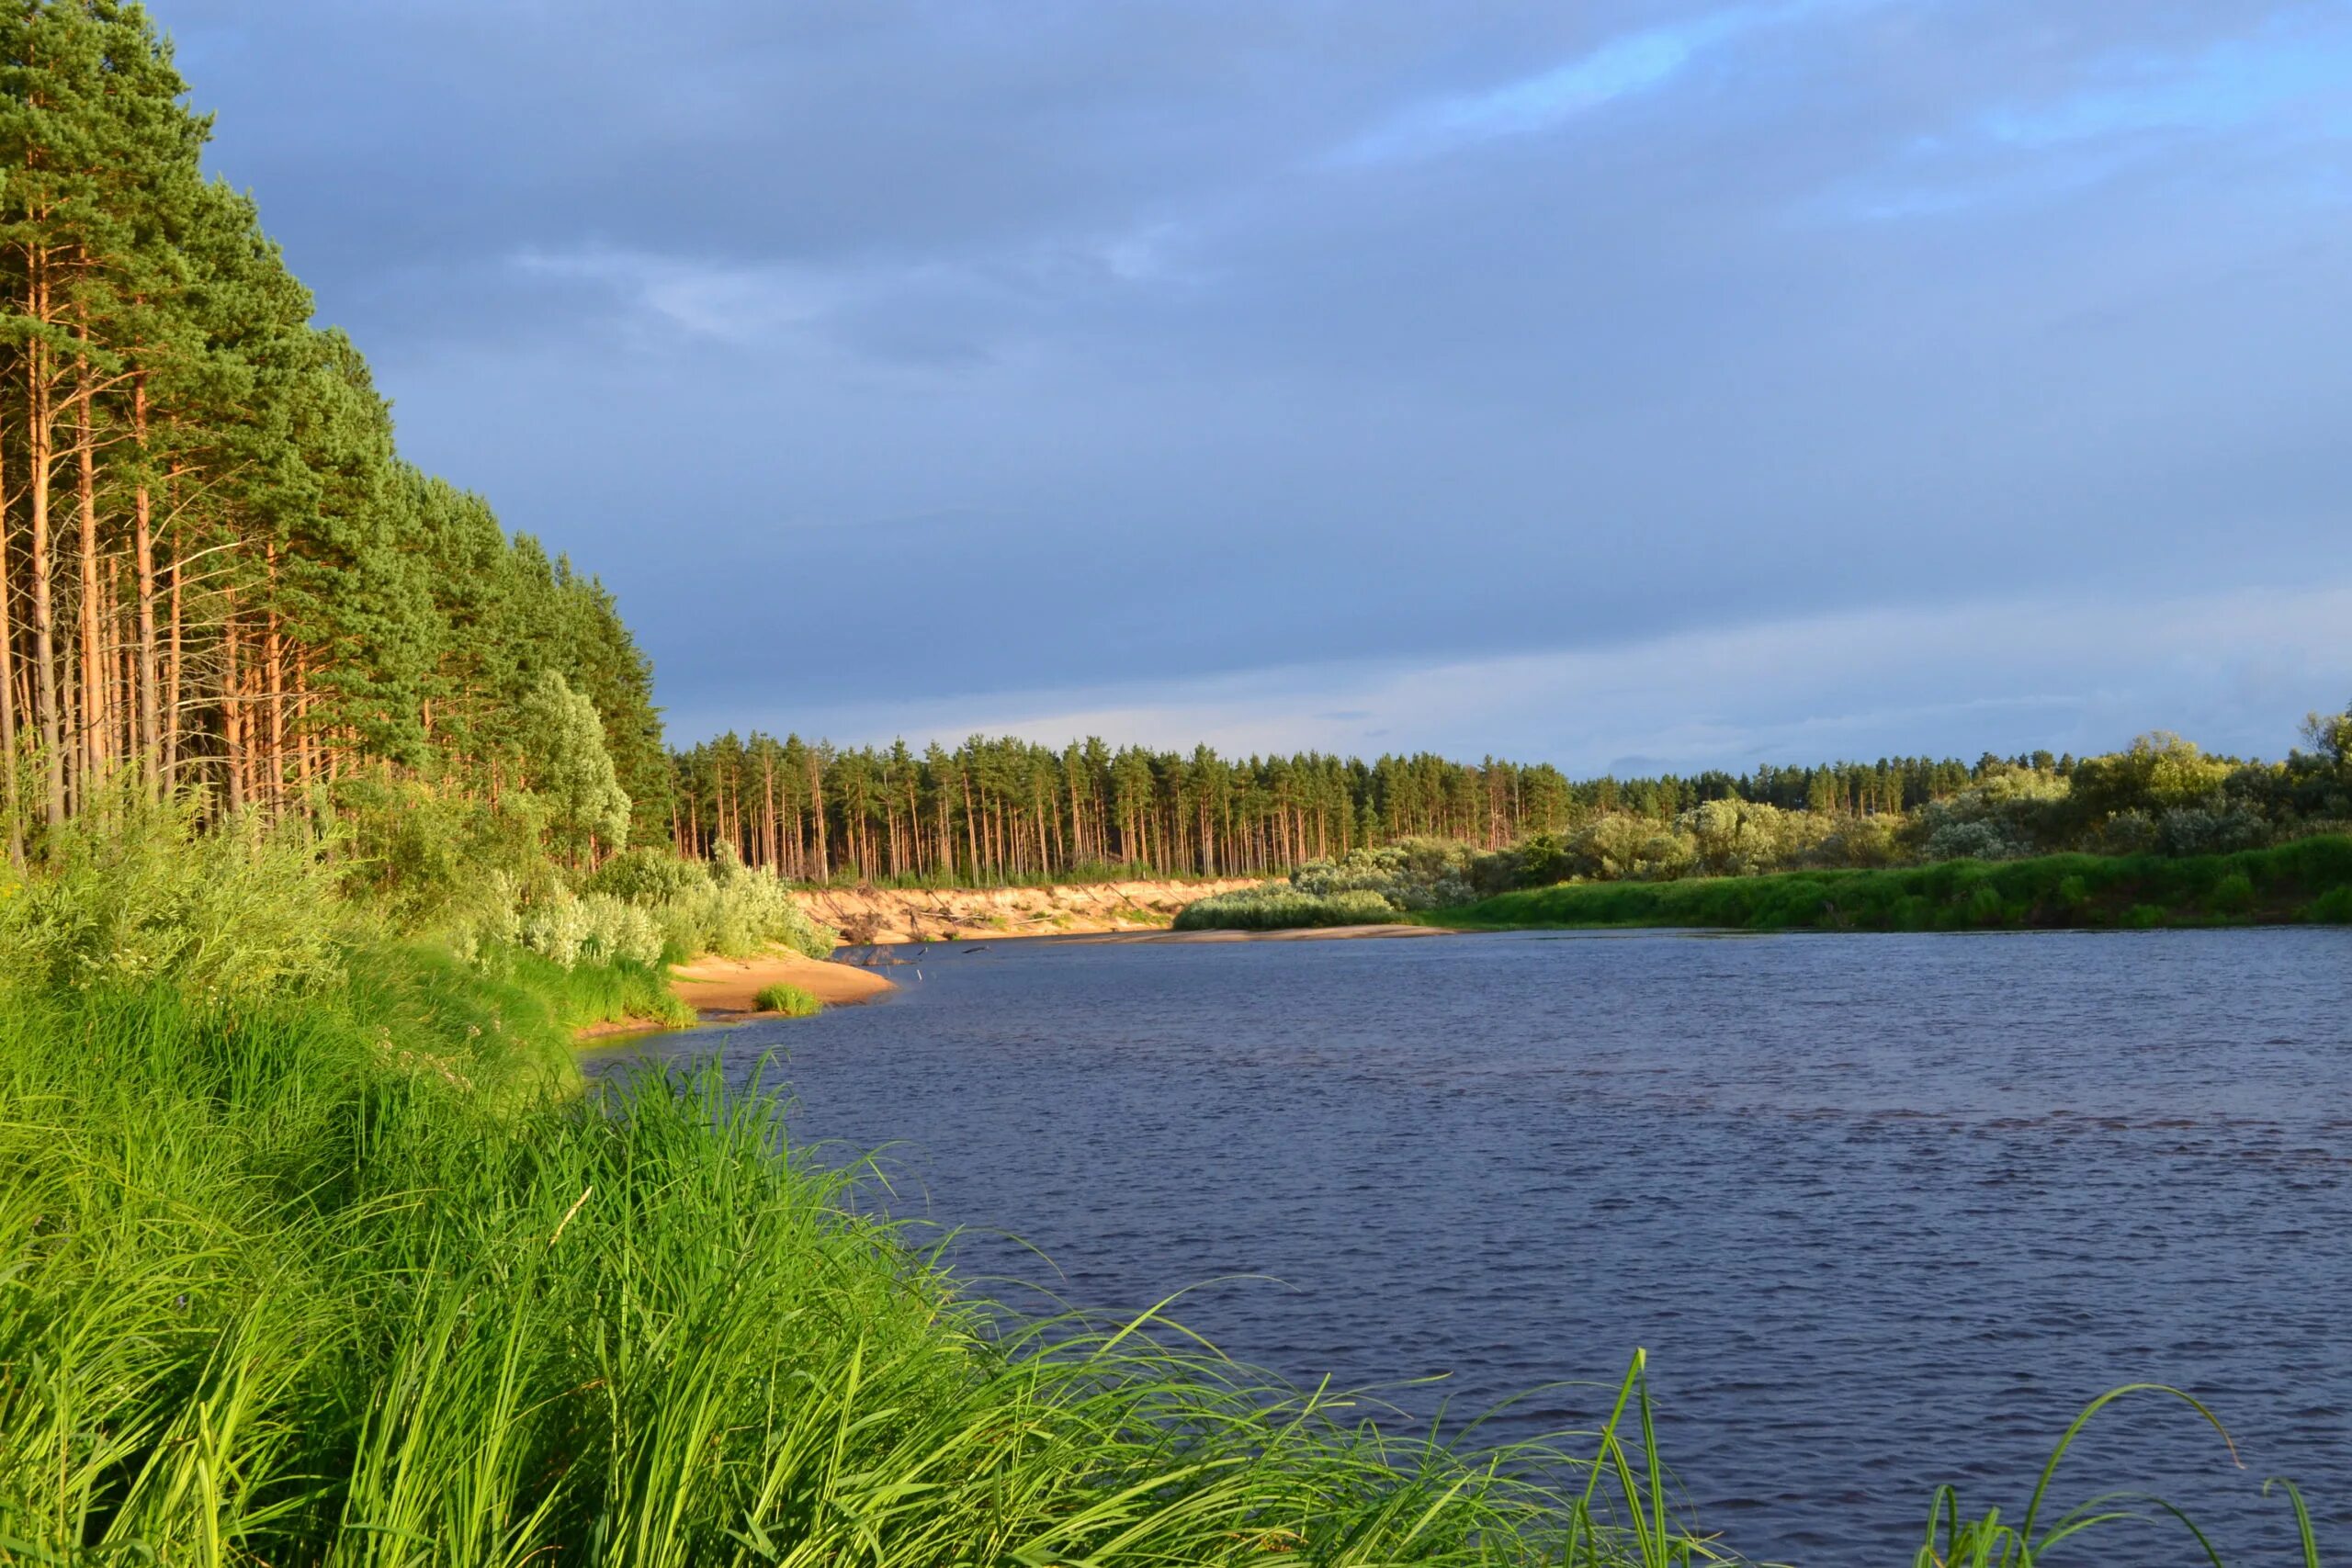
(1885, 1211)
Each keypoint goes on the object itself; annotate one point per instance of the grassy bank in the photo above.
(2307, 880)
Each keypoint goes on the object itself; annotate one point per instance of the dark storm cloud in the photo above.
(1040, 360)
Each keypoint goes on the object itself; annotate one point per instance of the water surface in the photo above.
(1885, 1209)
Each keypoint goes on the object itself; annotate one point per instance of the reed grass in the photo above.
(789, 1000)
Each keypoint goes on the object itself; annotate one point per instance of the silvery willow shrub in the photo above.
(1620, 848)
(2008, 813)
(1412, 874)
(594, 928)
(647, 876)
(741, 911)
(1739, 837)
(725, 907)
(1278, 906)
(1972, 840)
(2214, 827)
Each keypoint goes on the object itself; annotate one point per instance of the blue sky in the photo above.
(1623, 385)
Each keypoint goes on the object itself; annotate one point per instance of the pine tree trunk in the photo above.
(273, 667)
(39, 439)
(172, 667)
(88, 627)
(142, 516)
(817, 809)
(233, 716)
(9, 684)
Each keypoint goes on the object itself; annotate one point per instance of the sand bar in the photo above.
(724, 987)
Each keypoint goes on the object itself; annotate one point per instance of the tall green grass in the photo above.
(363, 1280)
(2308, 879)
(789, 1000)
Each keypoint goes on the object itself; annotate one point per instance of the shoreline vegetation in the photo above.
(2308, 881)
(2157, 834)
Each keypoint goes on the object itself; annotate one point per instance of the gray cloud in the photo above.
(907, 354)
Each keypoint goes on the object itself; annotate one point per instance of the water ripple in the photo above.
(1885, 1209)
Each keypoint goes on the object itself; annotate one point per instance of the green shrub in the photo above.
(648, 877)
(789, 1000)
(423, 854)
(2147, 889)
(133, 896)
(1410, 874)
(2333, 907)
(2232, 895)
(1277, 906)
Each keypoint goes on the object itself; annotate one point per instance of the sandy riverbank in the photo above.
(723, 989)
(720, 989)
(885, 916)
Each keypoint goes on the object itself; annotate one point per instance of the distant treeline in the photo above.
(215, 569)
(992, 810)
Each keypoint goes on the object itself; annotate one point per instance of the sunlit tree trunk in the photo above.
(8, 802)
(142, 520)
(39, 477)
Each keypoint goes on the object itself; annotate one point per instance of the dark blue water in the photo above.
(1887, 1211)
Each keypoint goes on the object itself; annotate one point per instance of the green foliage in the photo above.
(1412, 874)
(649, 877)
(137, 897)
(429, 854)
(2232, 895)
(2331, 908)
(1277, 906)
(789, 1000)
(2160, 772)
(570, 770)
(2280, 883)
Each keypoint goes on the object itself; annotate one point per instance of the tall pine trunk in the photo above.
(39, 444)
(173, 665)
(8, 682)
(89, 628)
(233, 718)
(143, 523)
